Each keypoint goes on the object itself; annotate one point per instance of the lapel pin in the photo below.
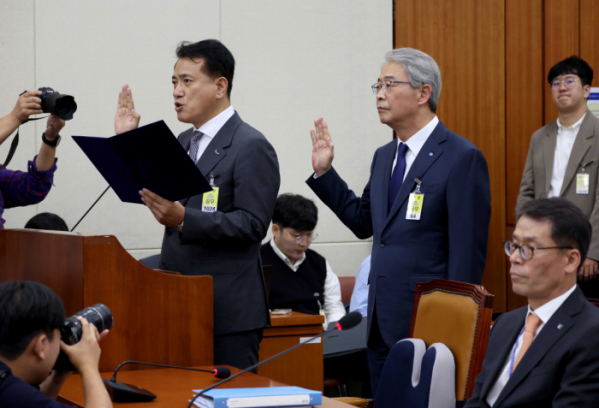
(430, 154)
(559, 326)
(216, 151)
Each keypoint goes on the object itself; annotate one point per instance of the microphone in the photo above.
(347, 322)
(90, 208)
(121, 392)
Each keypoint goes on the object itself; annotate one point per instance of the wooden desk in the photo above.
(302, 367)
(173, 387)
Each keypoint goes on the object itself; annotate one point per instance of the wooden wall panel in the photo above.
(524, 89)
(467, 39)
(562, 40)
(589, 35)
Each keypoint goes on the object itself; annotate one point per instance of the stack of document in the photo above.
(258, 397)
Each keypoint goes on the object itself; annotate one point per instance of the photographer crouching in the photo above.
(18, 188)
(31, 316)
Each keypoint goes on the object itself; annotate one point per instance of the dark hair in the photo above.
(573, 65)
(26, 310)
(47, 221)
(218, 60)
(569, 226)
(295, 211)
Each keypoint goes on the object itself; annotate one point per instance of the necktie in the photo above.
(532, 324)
(397, 176)
(195, 145)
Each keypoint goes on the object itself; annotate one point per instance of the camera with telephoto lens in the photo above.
(99, 315)
(63, 106)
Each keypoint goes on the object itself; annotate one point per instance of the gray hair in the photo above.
(421, 69)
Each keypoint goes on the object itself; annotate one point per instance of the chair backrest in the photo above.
(458, 315)
(414, 377)
(347, 287)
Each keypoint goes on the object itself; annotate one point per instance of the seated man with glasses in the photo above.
(563, 159)
(545, 354)
(302, 280)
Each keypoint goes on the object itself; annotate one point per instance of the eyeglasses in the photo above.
(385, 86)
(568, 83)
(301, 238)
(526, 251)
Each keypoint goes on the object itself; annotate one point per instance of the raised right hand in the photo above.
(126, 118)
(322, 147)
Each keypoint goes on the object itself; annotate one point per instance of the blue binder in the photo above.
(147, 157)
(259, 397)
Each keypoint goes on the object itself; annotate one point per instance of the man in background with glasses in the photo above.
(427, 204)
(301, 279)
(545, 354)
(563, 159)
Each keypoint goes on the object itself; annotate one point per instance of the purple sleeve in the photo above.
(19, 188)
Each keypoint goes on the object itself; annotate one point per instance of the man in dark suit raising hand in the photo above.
(427, 204)
(220, 237)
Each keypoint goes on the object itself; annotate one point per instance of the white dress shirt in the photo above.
(544, 313)
(333, 307)
(415, 143)
(211, 128)
(359, 297)
(563, 148)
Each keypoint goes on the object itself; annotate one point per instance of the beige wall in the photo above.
(296, 60)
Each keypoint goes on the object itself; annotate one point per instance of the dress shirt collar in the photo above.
(416, 142)
(574, 128)
(548, 309)
(284, 258)
(212, 127)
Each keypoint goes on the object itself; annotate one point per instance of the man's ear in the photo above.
(276, 230)
(221, 87)
(39, 346)
(586, 91)
(573, 261)
(426, 92)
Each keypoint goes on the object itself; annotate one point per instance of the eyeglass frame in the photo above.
(508, 244)
(564, 82)
(386, 86)
(301, 238)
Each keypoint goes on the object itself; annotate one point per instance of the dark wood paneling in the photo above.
(524, 89)
(589, 35)
(562, 40)
(467, 39)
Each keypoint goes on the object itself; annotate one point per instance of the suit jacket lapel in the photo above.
(509, 337)
(216, 150)
(582, 144)
(549, 154)
(429, 153)
(554, 329)
(185, 139)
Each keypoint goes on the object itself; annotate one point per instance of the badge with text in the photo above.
(210, 201)
(582, 180)
(415, 203)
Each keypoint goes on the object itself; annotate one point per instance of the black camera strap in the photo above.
(14, 144)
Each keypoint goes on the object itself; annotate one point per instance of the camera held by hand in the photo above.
(63, 106)
(99, 315)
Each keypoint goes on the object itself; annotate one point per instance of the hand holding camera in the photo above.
(29, 103)
(85, 355)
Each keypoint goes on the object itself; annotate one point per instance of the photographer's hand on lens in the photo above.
(85, 355)
(28, 104)
(126, 118)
